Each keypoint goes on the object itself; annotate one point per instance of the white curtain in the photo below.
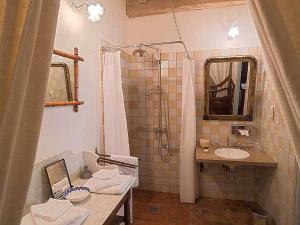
(115, 124)
(188, 135)
(27, 30)
(219, 71)
(278, 26)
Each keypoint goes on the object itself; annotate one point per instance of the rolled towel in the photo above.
(51, 210)
(74, 216)
(106, 174)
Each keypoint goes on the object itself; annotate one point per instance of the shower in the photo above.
(162, 129)
(140, 52)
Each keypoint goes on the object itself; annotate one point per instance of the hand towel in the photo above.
(128, 171)
(51, 210)
(106, 174)
(74, 216)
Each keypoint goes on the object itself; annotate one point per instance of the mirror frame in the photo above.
(65, 166)
(75, 102)
(251, 92)
(67, 78)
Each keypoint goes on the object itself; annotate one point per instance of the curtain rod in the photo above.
(149, 45)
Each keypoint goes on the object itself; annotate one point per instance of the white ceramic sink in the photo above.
(232, 153)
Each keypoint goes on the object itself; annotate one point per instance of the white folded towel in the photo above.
(94, 184)
(51, 210)
(106, 174)
(126, 170)
(100, 184)
(74, 216)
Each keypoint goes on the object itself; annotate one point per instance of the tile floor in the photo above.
(155, 208)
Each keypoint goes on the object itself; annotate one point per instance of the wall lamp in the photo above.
(95, 11)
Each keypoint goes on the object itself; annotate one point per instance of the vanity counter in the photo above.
(104, 207)
(256, 158)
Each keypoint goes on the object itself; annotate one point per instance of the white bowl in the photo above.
(77, 194)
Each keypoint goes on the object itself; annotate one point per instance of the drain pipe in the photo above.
(230, 171)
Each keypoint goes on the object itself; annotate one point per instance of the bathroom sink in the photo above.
(232, 153)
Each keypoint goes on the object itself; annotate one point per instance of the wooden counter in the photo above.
(256, 158)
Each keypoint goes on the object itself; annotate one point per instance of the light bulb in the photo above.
(233, 32)
(95, 12)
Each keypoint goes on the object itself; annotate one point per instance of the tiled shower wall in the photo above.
(156, 172)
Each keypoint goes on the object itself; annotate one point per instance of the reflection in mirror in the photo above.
(59, 84)
(58, 177)
(227, 88)
(230, 87)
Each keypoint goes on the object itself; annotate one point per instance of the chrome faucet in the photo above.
(228, 142)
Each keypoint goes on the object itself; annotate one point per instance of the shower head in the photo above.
(139, 52)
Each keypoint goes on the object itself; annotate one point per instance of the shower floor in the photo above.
(155, 208)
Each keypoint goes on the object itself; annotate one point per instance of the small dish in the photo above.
(77, 194)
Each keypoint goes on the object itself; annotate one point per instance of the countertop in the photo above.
(100, 206)
(256, 158)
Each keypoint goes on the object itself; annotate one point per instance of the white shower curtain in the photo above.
(115, 124)
(188, 135)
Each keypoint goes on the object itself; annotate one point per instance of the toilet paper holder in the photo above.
(235, 129)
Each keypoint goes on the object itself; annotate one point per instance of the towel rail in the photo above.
(104, 158)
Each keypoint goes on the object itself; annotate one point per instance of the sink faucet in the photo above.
(228, 141)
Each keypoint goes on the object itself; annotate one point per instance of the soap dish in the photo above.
(77, 194)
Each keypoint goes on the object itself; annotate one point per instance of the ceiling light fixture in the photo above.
(233, 32)
(95, 11)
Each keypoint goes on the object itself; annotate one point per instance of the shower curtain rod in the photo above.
(149, 45)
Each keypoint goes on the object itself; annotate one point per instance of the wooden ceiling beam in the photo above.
(139, 8)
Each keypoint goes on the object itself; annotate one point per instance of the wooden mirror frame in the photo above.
(251, 92)
(75, 102)
(67, 78)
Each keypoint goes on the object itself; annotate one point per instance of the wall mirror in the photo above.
(59, 87)
(229, 88)
(62, 89)
(58, 178)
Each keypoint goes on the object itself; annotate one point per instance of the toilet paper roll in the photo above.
(244, 132)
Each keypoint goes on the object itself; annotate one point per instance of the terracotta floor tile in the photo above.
(206, 211)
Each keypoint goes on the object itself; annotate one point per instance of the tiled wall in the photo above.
(156, 173)
(276, 187)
